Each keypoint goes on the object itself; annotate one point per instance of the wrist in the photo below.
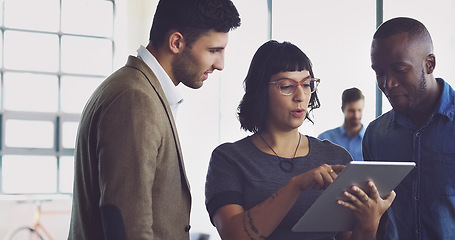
(296, 186)
(364, 232)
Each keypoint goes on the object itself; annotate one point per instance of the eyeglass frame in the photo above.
(298, 83)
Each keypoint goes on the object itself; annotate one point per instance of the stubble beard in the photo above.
(185, 70)
(421, 94)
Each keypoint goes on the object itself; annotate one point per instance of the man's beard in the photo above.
(351, 123)
(422, 93)
(185, 69)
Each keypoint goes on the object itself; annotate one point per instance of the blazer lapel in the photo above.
(148, 73)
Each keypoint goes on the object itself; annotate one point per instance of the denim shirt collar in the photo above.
(447, 102)
(446, 106)
(344, 133)
(362, 131)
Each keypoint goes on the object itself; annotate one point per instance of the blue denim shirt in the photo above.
(340, 137)
(424, 207)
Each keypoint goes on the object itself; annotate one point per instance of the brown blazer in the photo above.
(128, 163)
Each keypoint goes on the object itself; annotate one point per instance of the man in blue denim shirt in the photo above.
(350, 134)
(420, 128)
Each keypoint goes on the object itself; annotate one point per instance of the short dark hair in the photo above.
(394, 26)
(192, 18)
(351, 95)
(271, 58)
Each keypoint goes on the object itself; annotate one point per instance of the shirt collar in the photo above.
(173, 96)
(447, 101)
(343, 131)
(362, 131)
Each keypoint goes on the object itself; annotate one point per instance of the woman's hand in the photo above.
(318, 178)
(367, 209)
(234, 222)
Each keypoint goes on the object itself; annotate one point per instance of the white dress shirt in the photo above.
(174, 98)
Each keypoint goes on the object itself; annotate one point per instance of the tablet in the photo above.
(325, 215)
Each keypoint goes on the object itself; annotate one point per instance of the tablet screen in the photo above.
(325, 215)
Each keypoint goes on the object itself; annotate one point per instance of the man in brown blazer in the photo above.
(130, 181)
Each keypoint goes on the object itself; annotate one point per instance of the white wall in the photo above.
(336, 36)
(439, 18)
(207, 116)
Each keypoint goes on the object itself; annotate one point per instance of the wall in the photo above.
(207, 116)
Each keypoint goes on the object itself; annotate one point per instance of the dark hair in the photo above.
(351, 95)
(271, 58)
(414, 28)
(192, 18)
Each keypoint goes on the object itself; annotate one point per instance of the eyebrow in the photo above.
(216, 48)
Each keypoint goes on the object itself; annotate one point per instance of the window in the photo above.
(51, 61)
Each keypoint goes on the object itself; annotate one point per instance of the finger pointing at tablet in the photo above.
(320, 177)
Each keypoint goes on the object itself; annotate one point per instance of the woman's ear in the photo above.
(176, 42)
(430, 63)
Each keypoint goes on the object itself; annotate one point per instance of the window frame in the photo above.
(59, 117)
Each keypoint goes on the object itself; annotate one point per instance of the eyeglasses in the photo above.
(288, 86)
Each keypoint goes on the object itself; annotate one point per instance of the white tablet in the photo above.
(325, 215)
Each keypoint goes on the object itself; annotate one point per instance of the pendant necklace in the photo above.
(285, 164)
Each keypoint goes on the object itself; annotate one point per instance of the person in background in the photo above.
(130, 181)
(259, 187)
(350, 134)
(420, 128)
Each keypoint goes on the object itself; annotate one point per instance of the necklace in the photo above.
(285, 164)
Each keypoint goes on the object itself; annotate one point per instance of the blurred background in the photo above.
(54, 53)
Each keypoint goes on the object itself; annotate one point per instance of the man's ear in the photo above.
(343, 108)
(430, 63)
(176, 42)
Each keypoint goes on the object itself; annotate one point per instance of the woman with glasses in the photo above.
(259, 186)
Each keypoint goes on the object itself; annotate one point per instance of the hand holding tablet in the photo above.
(326, 215)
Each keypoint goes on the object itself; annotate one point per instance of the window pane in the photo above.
(75, 91)
(88, 17)
(29, 134)
(29, 174)
(31, 92)
(69, 132)
(1, 44)
(66, 174)
(385, 104)
(39, 54)
(1, 14)
(23, 14)
(86, 55)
